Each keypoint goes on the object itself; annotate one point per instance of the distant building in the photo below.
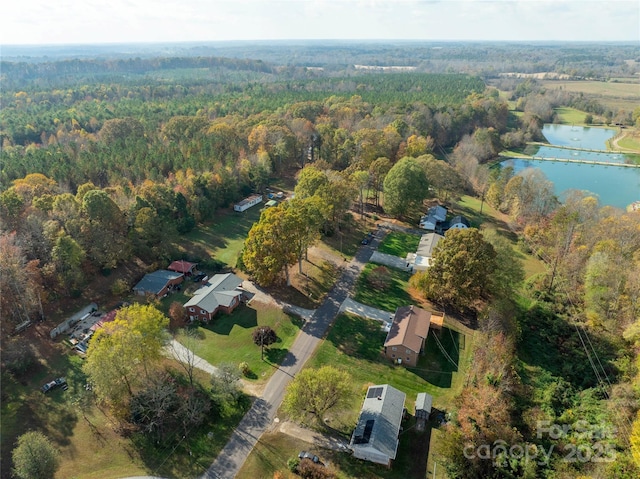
(435, 215)
(459, 222)
(247, 203)
(375, 437)
(158, 283)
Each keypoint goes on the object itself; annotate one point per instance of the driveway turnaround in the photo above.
(262, 412)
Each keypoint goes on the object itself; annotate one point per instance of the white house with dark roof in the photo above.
(375, 437)
(435, 215)
(459, 222)
(221, 293)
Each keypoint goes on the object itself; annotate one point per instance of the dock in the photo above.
(584, 162)
(576, 148)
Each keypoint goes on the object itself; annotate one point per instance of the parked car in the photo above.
(365, 241)
(308, 455)
(199, 277)
(59, 382)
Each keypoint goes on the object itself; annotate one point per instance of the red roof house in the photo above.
(182, 266)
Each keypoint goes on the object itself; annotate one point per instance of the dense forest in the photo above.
(106, 161)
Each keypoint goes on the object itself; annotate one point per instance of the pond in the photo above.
(614, 185)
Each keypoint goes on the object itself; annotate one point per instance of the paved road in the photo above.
(261, 415)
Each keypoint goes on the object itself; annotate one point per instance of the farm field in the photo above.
(612, 95)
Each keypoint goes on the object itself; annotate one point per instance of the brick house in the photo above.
(408, 334)
(221, 293)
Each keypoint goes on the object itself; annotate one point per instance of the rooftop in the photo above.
(410, 326)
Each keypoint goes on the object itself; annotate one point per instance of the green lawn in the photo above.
(630, 141)
(223, 238)
(355, 345)
(570, 116)
(389, 298)
(228, 338)
(399, 244)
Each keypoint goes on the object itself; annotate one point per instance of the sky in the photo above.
(41, 22)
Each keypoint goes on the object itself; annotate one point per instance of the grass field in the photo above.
(388, 299)
(570, 116)
(630, 140)
(228, 338)
(221, 239)
(606, 89)
(399, 244)
(613, 95)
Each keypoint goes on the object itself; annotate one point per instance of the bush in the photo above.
(35, 457)
(244, 368)
(309, 470)
(119, 287)
(293, 463)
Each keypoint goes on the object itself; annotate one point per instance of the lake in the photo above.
(613, 185)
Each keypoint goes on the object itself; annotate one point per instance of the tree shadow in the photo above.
(275, 355)
(243, 316)
(435, 366)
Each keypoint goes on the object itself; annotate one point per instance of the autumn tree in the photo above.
(314, 392)
(125, 351)
(361, 180)
(267, 252)
(35, 457)
(105, 238)
(443, 178)
(377, 173)
(20, 284)
(305, 218)
(264, 336)
(405, 187)
(461, 271)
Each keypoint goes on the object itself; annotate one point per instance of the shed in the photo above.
(182, 266)
(423, 405)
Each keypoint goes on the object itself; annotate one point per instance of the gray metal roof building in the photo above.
(375, 437)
